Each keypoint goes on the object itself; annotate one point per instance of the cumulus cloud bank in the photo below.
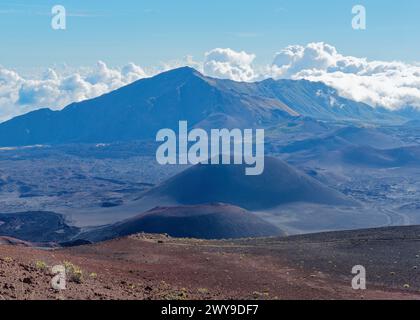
(229, 64)
(19, 95)
(378, 83)
(388, 84)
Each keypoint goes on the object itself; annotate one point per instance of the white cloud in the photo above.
(229, 64)
(53, 90)
(379, 83)
(132, 72)
(389, 84)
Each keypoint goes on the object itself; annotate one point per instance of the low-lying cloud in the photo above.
(378, 83)
(19, 95)
(392, 85)
(229, 64)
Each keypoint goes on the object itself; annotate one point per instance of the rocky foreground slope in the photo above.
(159, 267)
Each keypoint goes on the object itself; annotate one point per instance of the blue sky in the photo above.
(150, 32)
(109, 44)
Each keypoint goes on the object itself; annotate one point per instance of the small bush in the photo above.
(73, 272)
(41, 265)
(7, 259)
(203, 290)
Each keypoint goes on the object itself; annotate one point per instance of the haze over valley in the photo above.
(329, 166)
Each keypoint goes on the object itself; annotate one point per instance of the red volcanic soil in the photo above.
(159, 267)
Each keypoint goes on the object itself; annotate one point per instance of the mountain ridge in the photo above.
(137, 111)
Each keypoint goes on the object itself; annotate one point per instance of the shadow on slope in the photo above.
(213, 221)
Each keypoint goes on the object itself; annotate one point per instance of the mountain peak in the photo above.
(181, 72)
(139, 110)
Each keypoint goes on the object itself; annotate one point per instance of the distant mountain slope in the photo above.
(279, 184)
(373, 137)
(343, 138)
(319, 101)
(8, 241)
(316, 145)
(139, 110)
(214, 221)
(36, 226)
(413, 124)
(371, 157)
